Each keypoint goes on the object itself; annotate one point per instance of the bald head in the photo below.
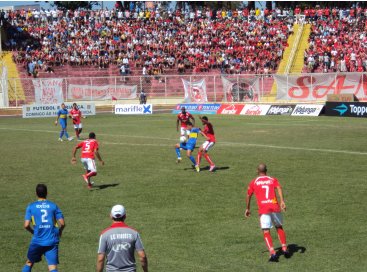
(261, 168)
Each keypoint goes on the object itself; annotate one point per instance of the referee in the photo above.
(118, 244)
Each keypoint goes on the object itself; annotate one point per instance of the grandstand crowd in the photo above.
(156, 41)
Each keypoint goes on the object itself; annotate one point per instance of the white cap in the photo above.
(118, 211)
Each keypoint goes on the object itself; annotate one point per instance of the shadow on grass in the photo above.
(206, 168)
(104, 186)
(292, 248)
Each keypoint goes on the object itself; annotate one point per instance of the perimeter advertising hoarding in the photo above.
(197, 108)
(36, 111)
(307, 110)
(253, 109)
(346, 109)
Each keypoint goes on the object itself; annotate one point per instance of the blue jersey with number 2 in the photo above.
(44, 215)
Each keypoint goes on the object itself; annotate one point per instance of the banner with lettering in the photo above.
(106, 92)
(313, 87)
(195, 91)
(48, 91)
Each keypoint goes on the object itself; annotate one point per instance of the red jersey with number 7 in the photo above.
(264, 189)
(88, 148)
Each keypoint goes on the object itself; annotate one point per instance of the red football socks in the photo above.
(91, 174)
(198, 159)
(269, 242)
(206, 156)
(282, 238)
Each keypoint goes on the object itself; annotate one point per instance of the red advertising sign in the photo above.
(230, 109)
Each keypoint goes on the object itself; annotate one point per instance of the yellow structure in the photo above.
(15, 87)
(298, 60)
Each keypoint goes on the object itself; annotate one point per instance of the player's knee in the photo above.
(266, 230)
(177, 146)
(29, 263)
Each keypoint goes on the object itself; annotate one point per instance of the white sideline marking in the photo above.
(234, 144)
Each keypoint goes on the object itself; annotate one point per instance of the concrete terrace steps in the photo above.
(298, 62)
(15, 87)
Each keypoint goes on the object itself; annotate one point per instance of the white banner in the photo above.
(313, 87)
(134, 109)
(33, 111)
(48, 91)
(240, 89)
(195, 92)
(106, 92)
(307, 110)
(253, 109)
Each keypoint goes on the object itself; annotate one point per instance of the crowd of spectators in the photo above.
(150, 41)
(338, 41)
(154, 41)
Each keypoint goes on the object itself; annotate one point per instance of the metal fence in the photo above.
(165, 89)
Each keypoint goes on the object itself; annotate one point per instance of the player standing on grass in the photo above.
(43, 215)
(208, 144)
(89, 151)
(76, 115)
(184, 117)
(118, 244)
(269, 209)
(62, 117)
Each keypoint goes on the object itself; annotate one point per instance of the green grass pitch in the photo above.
(193, 221)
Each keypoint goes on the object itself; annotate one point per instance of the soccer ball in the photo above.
(182, 139)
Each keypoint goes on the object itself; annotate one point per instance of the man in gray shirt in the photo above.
(118, 244)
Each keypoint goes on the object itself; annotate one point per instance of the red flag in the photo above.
(114, 98)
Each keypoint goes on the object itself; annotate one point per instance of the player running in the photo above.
(189, 146)
(76, 115)
(48, 223)
(183, 118)
(62, 115)
(207, 145)
(269, 209)
(89, 151)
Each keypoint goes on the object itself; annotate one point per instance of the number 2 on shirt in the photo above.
(44, 216)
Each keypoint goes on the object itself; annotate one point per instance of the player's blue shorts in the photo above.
(51, 253)
(63, 123)
(187, 146)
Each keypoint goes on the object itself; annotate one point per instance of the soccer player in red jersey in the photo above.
(208, 144)
(89, 151)
(269, 208)
(76, 115)
(183, 117)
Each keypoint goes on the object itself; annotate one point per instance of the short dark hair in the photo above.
(119, 219)
(74, 104)
(92, 135)
(189, 123)
(205, 118)
(41, 190)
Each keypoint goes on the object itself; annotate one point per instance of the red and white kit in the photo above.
(184, 118)
(87, 155)
(269, 209)
(76, 114)
(209, 132)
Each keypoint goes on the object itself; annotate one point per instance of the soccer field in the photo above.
(193, 221)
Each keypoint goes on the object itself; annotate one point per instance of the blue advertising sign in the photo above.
(197, 108)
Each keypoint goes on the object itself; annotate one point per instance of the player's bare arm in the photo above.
(204, 135)
(248, 202)
(99, 157)
(73, 159)
(27, 226)
(177, 124)
(143, 260)
(100, 262)
(57, 120)
(282, 203)
(61, 224)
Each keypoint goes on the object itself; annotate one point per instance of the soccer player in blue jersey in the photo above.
(189, 146)
(62, 117)
(44, 215)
